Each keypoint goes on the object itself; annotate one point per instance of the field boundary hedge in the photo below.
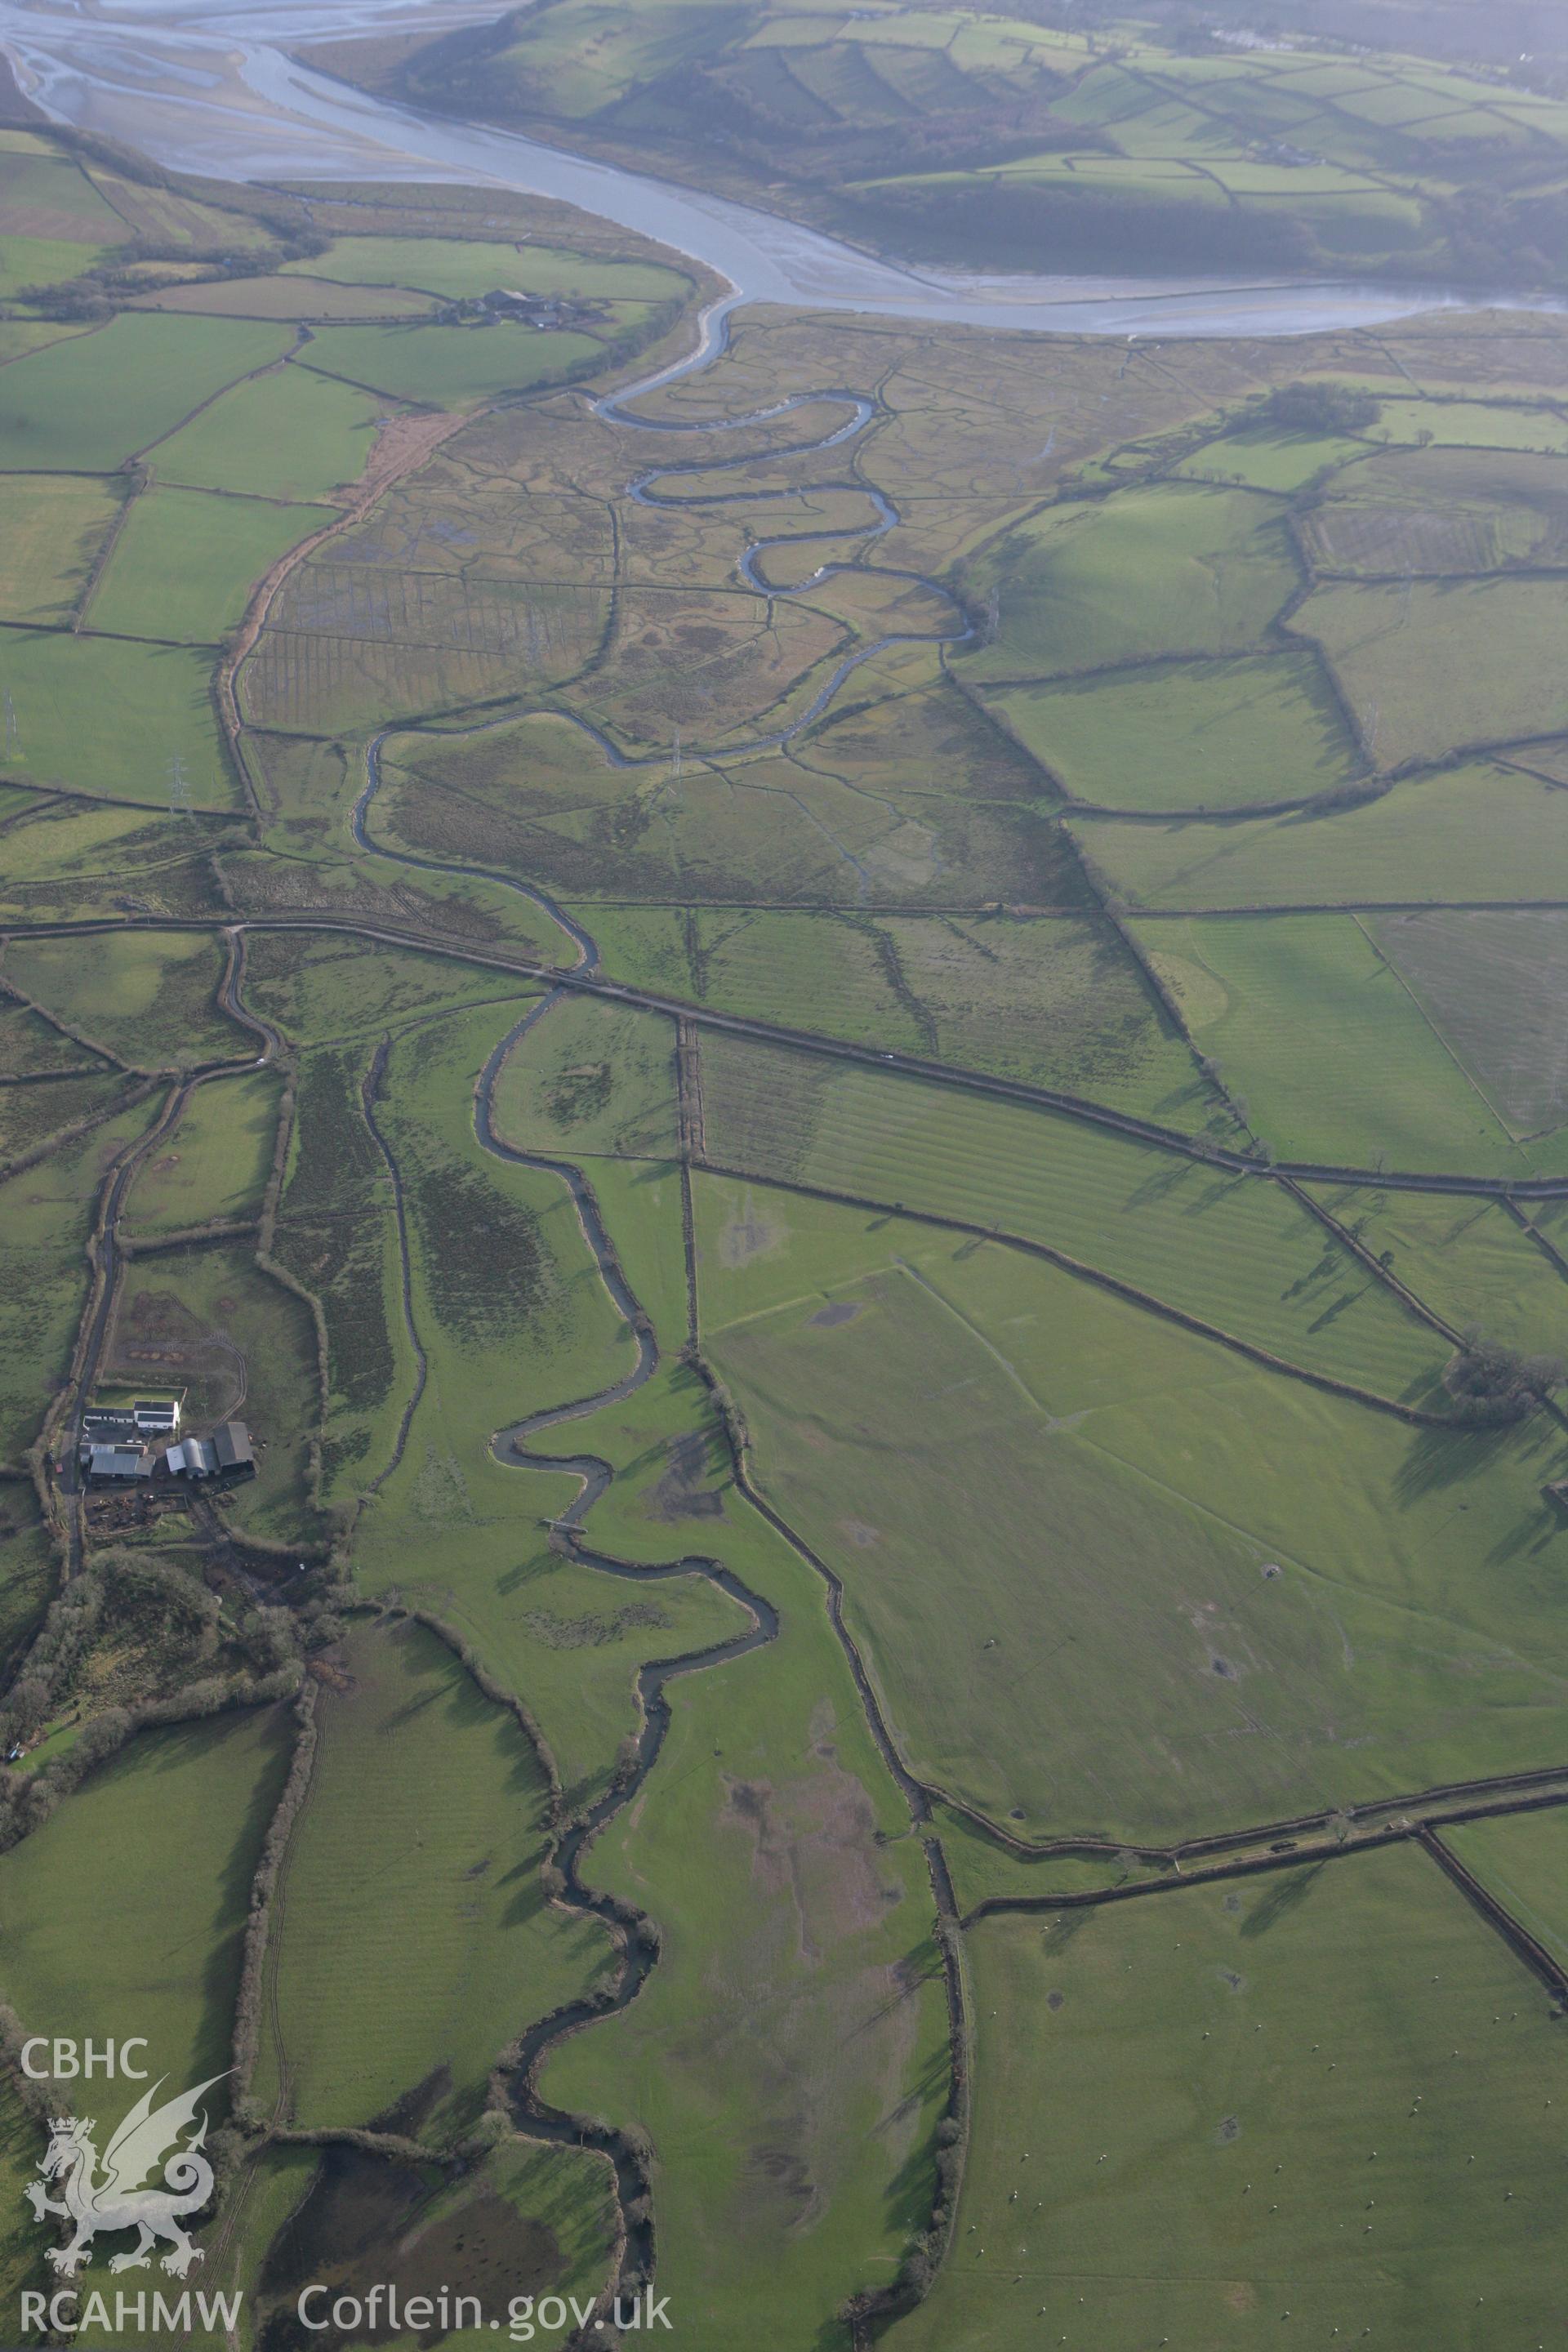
(1416, 1415)
(246, 2041)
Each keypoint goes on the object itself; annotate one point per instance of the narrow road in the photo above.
(590, 980)
(118, 1184)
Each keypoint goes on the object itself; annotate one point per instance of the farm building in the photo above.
(159, 1418)
(533, 309)
(105, 1462)
(105, 1426)
(191, 1458)
(231, 1444)
(227, 1452)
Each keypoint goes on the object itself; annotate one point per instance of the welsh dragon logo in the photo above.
(117, 2200)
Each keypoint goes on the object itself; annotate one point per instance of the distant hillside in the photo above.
(1467, 32)
(954, 134)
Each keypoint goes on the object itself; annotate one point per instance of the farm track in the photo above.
(109, 1255)
(369, 1088)
(51, 1077)
(1355, 1827)
(107, 1263)
(1292, 1855)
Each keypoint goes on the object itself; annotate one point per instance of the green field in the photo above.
(568, 1640)
(196, 219)
(304, 299)
(1335, 1059)
(553, 1630)
(333, 1237)
(982, 1868)
(218, 1158)
(1491, 983)
(20, 336)
(34, 178)
(450, 367)
(29, 1046)
(593, 1078)
(185, 563)
(29, 1576)
(1054, 1002)
(510, 1300)
(22, 2265)
(288, 434)
(1175, 568)
(46, 1215)
(107, 716)
(149, 997)
(33, 1119)
(1037, 1486)
(54, 222)
(62, 854)
(52, 527)
(31, 261)
(170, 1909)
(1522, 1863)
(508, 1305)
(1467, 1260)
(1319, 2093)
(261, 2195)
(86, 405)
(788, 2057)
(436, 1836)
(449, 266)
(1466, 834)
(1264, 459)
(327, 990)
(1187, 736)
(1444, 667)
(1472, 424)
(1234, 1252)
(520, 2223)
(563, 1636)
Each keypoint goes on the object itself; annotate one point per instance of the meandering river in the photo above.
(211, 88)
